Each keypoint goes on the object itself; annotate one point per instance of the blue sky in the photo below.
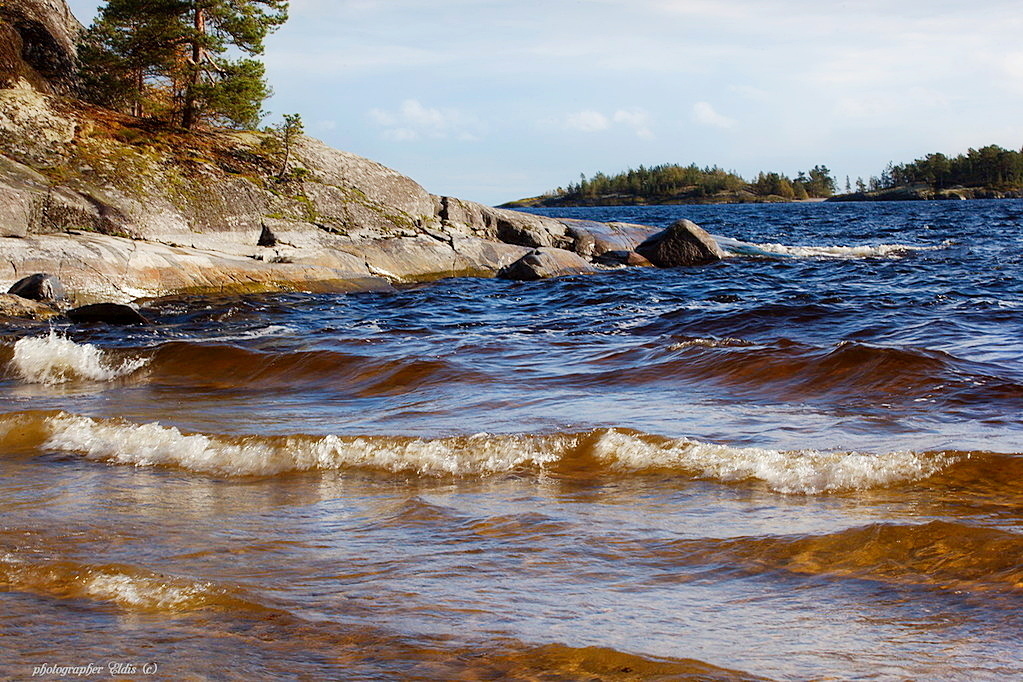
(493, 100)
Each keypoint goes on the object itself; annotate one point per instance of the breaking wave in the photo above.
(736, 247)
(603, 451)
(54, 359)
(124, 586)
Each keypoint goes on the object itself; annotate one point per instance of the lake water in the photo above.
(804, 462)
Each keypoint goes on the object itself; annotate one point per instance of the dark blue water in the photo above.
(796, 344)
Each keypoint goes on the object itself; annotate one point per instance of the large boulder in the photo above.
(39, 287)
(106, 313)
(682, 243)
(591, 239)
(544, 263)
(510, 227)
(38, 45)
(524, 229)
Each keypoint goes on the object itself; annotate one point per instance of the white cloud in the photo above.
(587, 121)
(704, 114)
(592, 121)
(637, 119)
(413, 121)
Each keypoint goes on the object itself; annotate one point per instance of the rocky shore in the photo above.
(923, 192)
(120, 209)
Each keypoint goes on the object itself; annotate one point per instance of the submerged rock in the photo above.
(39, 287)
(16, 306)
(544, 263)
(682, 243)
(108, 313)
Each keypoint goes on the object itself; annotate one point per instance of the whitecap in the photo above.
(806, 472)
(793, 471)
(55, 359)
(738, 248)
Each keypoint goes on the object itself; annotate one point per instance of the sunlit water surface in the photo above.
(802, 462)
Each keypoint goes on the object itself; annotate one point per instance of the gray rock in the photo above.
(630, 258)
(583, 241)
(544, 263)
(591, 236)
(108, 313)
(524, 229)
(120, 219)
(38, 40)
(39, 287)
(682, 243)
(266, 237)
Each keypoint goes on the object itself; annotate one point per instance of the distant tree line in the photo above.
(990, 166)
(185, 62)
(673, 181)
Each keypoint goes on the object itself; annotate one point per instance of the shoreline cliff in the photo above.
(121, 209)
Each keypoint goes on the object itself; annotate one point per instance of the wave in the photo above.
(739, 248)
(863, 372)
(559, 661)
(866, 375)
(604, 451)
(124, 586)
(219, 365)
(54, 359)
(941, 554)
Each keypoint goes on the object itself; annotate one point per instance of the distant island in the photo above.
(677, 184)
(991, 172)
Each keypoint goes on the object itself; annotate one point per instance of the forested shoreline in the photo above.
(988, 172)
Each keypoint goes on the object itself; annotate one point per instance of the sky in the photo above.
(494, 100)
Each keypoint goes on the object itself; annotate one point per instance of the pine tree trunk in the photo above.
(140, 85)
(190, 115)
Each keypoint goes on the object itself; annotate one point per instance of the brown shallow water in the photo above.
(788, 466)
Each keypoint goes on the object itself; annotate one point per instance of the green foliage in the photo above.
(215, 26)
(990, 166)
(673, 182)
(130, 44)
(279, 142)
(171, 53)
(235, 98)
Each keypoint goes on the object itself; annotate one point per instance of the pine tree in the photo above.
(130, 44)
(136, 47)
(236, 86)
(280, 141)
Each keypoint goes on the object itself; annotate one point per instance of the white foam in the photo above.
(155, 444)
(55, 359)
(104, 583)
(142, 591)
(736, 247)
(795, 471)
(726, 342)
(800, 471)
